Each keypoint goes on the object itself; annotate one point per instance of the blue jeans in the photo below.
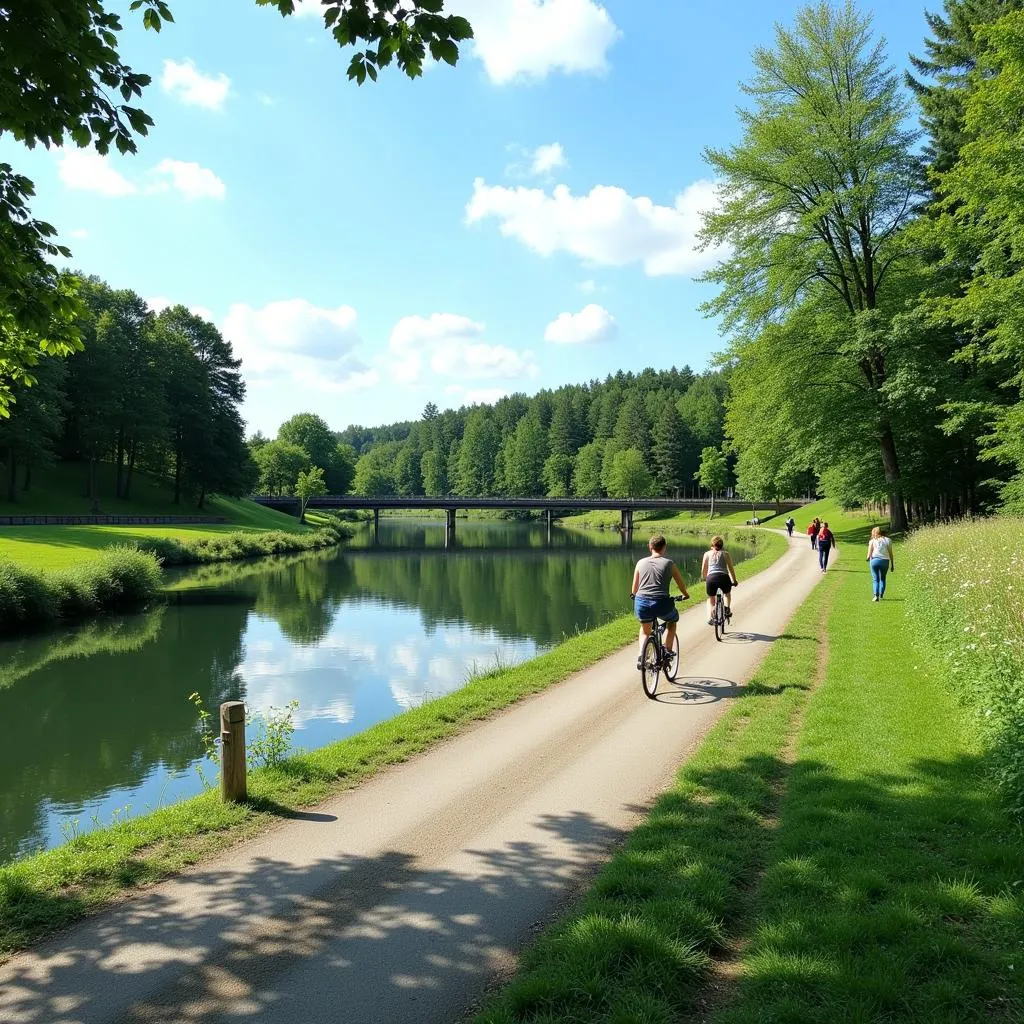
(824, 547)
(879, 568)
(814, 542)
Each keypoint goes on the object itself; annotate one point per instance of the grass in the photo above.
(967, 599)
(603, 519)
(47, 891)
(829, 855)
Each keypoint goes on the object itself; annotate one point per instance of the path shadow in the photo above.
(689, 690)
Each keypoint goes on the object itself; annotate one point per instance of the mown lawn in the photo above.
(830, 854)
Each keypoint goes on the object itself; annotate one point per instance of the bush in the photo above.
(967, 600)
(121, 579)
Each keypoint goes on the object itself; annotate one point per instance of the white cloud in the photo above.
(592, 324)
(191, 180)
(547, 158)
(87, 171)
(607, 227)
(308, 8)
(453, 346)
(531, 38)
(79, 233)
(587, 287)
(293, 339)
(188, 84)
(158, 303)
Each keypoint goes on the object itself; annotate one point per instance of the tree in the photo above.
(632, 429)
(815, 197)
(280, 464)
(62, 80)
(713, 473)
(433, 472)
(310, 484)
(564, 435)
(524, 456)
(27, 438)
(557, 475)
(586, 476)
(342, 471)
(374, 475)
(407, 470)
(630, 477)
(310, 432)
(669, 449)
(477, 454)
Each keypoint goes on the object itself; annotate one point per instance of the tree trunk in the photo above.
(12, 476)
(177, 470)
(891, 467)
(119, 482)
(131, 469)
(202, 496)
(712, 516)
(28, 477)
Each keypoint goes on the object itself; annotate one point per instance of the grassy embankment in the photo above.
(700, 521)
(836, 850)
(44, 892)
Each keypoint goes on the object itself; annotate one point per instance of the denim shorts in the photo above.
(650, 608)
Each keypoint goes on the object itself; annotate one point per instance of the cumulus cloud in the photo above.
(546, 159)
(592, 324)
(452, 346)
(86, 171)
(295, 340)
(531, 38)
(187, 83)
(607, 226)
(189, 179)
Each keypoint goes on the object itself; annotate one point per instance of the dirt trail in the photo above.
(399, 900)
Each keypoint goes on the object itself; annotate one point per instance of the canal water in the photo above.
(95, 722)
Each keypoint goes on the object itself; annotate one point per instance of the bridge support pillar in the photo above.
(376, 526)
(449, 528)
(549, 517)
(627, 522)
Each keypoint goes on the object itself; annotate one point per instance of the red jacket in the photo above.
(826, 535)
(810, 530)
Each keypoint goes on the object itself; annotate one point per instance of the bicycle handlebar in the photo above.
(677, 597)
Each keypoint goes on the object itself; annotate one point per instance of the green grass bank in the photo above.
(47, 891)
(836, 851)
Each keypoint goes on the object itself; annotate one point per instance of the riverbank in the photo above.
(45, 891)
(123, 578)
(837, 849)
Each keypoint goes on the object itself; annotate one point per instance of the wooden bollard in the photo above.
(232, 751)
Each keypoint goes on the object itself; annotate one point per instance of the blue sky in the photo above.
(522, 221)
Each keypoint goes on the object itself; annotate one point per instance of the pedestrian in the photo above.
(881, 561)
(790, 523)
(812, 532)
(826, 541)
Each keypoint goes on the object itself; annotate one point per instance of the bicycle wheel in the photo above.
(650, 667)
(672, 668)
(719, 618)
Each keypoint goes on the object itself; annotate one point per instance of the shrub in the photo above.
(967, 599)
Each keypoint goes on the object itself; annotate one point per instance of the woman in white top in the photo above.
(720, 573)
(881, 561)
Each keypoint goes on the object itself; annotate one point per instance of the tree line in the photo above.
(873, 292)
(630, 435)
(147, 392)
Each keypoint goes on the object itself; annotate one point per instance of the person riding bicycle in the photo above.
(719, 572)
(650, 593)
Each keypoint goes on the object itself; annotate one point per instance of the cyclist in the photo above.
(650, 593)
(719, 572)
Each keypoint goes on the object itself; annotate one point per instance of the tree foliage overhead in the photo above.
(63, 81)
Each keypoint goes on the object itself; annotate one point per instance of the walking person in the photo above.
(881, 561)
(826, 541)
(790, 523)
(812, 532)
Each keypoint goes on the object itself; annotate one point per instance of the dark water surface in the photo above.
(95, 723)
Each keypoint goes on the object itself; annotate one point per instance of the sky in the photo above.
(524, 220)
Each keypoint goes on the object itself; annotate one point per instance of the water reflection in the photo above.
(96, 718)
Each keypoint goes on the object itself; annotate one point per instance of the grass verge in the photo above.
(47, 891)
(860, 862)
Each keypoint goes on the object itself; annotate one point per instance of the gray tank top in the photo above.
(655, 576)
(716, 563)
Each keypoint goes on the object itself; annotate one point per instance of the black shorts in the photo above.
(719, 582)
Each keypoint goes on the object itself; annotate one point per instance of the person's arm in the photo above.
(704, 567)
(731, 568)
(680, 582)
(892, 561)
(636, 582)
(871, 544)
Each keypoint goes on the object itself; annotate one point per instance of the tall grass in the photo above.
(121, 579)
(227, 547)
(967, 599)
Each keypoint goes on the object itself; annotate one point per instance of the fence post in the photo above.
(232, 751)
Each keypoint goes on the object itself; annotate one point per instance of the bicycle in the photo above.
(654, 660)
(721, 615)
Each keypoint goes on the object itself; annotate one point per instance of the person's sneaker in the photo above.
(639, 663)
(669, 657)
(711, 622)
(728, 613)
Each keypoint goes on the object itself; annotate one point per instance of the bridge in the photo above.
(552, 507)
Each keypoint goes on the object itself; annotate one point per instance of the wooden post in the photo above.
(449, 533)
(232, 751)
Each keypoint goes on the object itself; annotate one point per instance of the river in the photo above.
(95, 722)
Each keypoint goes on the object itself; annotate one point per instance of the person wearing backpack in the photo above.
(790, 523)
(826, 541)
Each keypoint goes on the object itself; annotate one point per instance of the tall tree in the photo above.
(630, 477)
(27, 438)
(524, 457)
(477, 454)
(713, 473)
(669, 449)
(586, 477)
(816, 195)
(632, 429)
(311, 432)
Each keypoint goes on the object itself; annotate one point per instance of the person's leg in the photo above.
(876, 579)
(670, 638)
(645, 632)
(883, 571)
(826, 551)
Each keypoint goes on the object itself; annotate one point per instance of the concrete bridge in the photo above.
(552, 507)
